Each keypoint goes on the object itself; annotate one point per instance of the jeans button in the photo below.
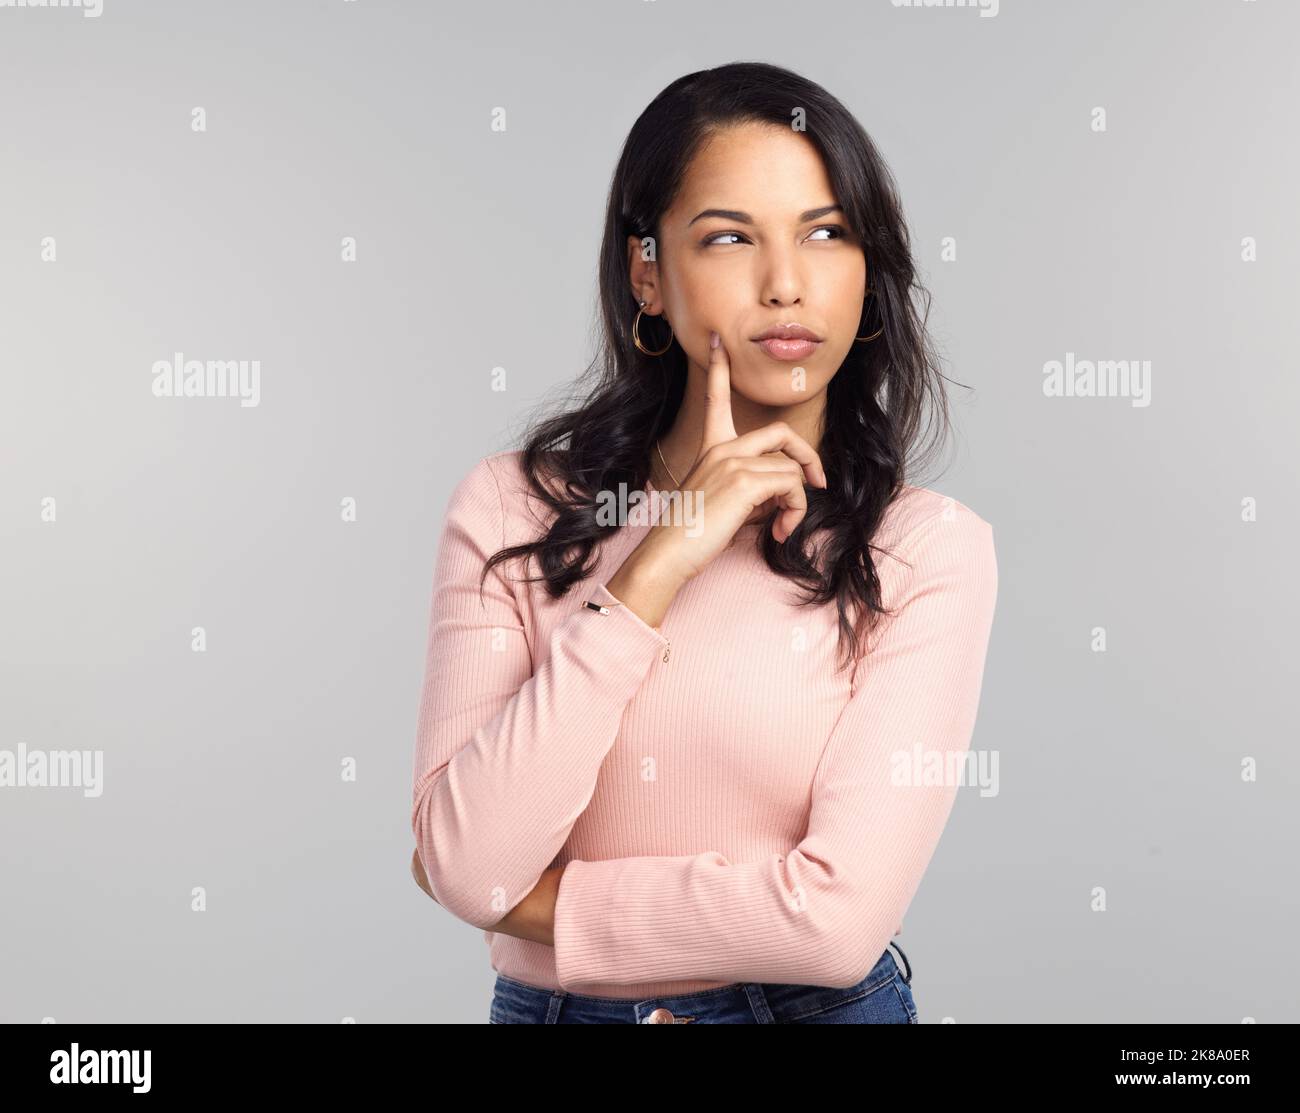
(660, 1016)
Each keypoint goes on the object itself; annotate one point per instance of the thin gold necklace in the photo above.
(669, 470)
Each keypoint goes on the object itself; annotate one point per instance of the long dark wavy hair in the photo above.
(876, 404)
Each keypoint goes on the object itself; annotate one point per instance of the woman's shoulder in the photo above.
(918, 512)
(502, 471)
(501, 478)
(507, 466)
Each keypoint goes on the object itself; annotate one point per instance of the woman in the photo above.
(670, 787)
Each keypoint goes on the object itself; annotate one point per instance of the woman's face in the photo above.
(749, 244)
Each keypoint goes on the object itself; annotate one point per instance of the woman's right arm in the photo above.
(506, 758)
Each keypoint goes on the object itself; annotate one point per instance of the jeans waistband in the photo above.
(744, 1002)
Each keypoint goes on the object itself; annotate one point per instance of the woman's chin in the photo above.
(770, 383)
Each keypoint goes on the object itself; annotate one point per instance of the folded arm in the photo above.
(506, 757)
(823, 912)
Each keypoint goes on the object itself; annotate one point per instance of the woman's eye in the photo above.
(839, 230)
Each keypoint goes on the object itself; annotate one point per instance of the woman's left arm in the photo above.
(823, 913)
(532, 918)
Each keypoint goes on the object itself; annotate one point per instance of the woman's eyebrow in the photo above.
(745, 218)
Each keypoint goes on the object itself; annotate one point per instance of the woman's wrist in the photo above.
(646, 584)
(534, 917)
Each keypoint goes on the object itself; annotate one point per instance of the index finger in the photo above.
(718, 424)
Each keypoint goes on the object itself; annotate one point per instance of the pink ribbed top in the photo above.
(735, 813)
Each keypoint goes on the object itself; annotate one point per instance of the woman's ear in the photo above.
(643, 268)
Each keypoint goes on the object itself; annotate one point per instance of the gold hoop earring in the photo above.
(878, 331)
(636, 335)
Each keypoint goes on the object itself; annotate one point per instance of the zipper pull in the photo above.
(667, 649)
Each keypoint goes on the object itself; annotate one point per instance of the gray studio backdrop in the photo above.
(186, 594)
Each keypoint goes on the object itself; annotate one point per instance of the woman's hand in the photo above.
(533, 918)
(736, 479)
(421, 878)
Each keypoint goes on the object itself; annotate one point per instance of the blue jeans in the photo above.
(884, 996)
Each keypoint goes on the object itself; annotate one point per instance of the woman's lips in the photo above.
(788, 349)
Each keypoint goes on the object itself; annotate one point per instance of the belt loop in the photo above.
(759, 1003)
(907, 977)
(553, 1006)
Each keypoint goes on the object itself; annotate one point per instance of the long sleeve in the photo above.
(824, 912)
(506, 757)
